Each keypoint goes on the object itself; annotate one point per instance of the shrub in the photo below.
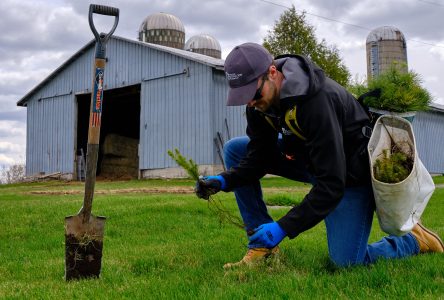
(400, 91)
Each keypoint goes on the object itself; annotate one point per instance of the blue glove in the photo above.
(209, 185)
(268, 235)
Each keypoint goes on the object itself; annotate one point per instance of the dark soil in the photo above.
(83, 258)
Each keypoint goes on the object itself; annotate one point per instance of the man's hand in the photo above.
(209, 185)
(268, 235)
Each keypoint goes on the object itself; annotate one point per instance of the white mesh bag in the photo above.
(399, 206)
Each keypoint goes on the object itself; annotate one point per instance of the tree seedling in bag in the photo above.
(394, 166)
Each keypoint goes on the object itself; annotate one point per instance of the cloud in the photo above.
(14, 132)
(18, 115)
(12, 141)
(9, 110)
(438, 51)
(11, 154)
(40, 36)
(6, 161)
(416, 19)
(9, 147)
(39, 25)
(21, 80)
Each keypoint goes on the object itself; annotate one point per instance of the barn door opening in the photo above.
(119, 133)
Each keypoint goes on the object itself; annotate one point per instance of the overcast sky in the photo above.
(39, 35)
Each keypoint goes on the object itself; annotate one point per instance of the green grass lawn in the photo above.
(172, 246)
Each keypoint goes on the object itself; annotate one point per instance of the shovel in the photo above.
(84, 231)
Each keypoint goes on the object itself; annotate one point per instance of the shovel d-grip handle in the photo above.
(95, 116)
(104, 10)
(102, 38)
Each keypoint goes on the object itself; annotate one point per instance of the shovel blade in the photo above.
(83, 247)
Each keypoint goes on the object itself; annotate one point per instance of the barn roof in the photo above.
(203, 59)
(437, 107)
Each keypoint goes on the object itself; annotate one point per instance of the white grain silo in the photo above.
(385, 45)
(163, 29)
(204, 44)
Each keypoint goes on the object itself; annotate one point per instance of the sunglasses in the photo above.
(258, 94)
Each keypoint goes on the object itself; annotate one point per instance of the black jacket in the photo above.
(330, 122)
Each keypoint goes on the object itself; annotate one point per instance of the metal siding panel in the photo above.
(197, 114)
(233, 114)
(27, 152)
(30, 145)
(47, 134)
(43, 138)
(186, 113)
(150, 138)
(58, 127)
(429, 129)
(49, 139)
(37, 139)
(175, 111)
(85, 72)
(111, 75)
(69, 138)
(217, 115)
(50, 121)
(203, 147)
(133, 66)
(119, 54)
(143, 148)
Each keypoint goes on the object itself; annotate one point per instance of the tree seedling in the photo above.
(214, 204)
(393, 167)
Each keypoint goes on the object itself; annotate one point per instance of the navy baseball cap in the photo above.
(243, 67)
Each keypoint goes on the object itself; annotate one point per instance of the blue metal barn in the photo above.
(165, 98)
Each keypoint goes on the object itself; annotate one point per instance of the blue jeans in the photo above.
(348, 226)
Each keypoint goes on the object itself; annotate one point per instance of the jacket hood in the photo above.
(303, 78)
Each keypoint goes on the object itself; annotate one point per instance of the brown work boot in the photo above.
(253, 257)
(428, 240)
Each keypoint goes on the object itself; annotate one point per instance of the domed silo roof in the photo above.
(163, 29)
(163, 21)
(204, 44)
(385, 33)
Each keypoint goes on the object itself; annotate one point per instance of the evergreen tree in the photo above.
(292, 34)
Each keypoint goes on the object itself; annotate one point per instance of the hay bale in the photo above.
(114, 171)
(118, 167)
(122, 146)
(120, 161)
(120, 157)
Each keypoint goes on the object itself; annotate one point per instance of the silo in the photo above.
(384, 46)
(204, 44)
(163, 29)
